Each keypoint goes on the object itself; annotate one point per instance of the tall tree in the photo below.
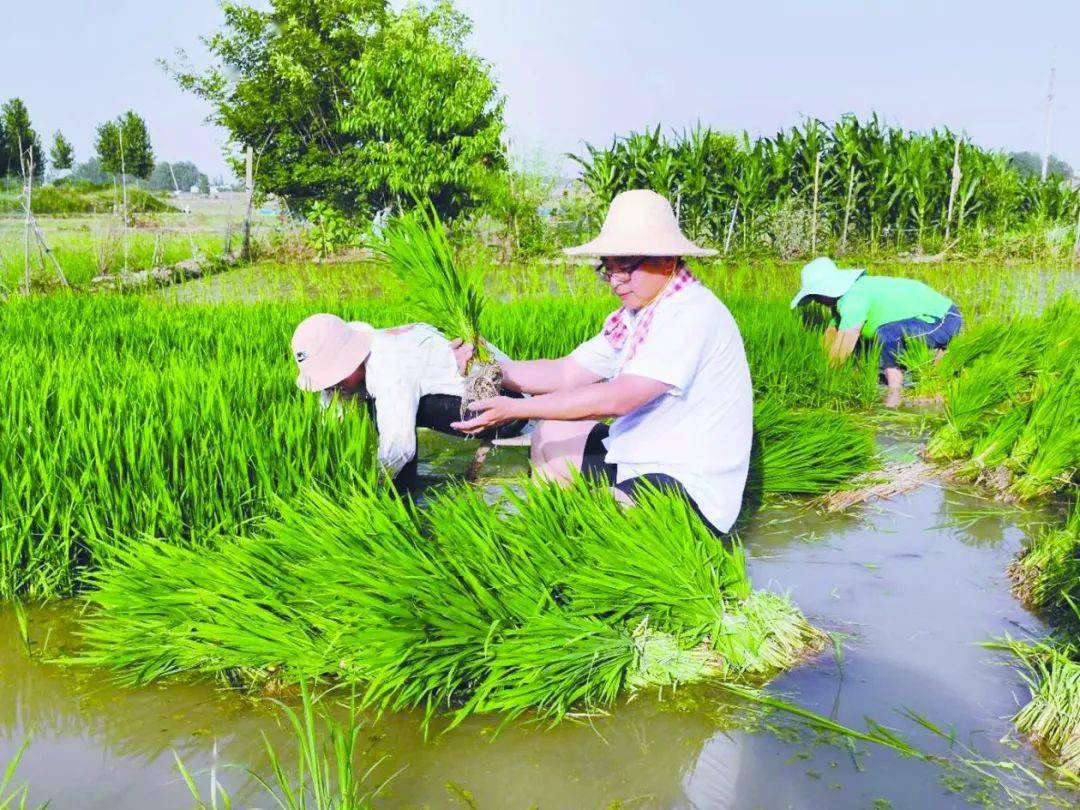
(62, 155)
(18, 132)
(107, 145)
(288, 82)
(425, 113)
(128, 132)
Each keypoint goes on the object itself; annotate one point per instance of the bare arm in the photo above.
(624, 394)
(840, 343)
(545, 376)
(532, 376)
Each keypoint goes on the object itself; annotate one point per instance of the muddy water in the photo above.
(912, 584)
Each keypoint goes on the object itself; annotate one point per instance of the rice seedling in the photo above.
(1046, 574)
(13, 797)
(131, 418)
(450, 297)
(326, 774)
(1012, 399)
(555, 600)
(1052, 715)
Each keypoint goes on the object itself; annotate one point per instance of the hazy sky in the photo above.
(584, 70)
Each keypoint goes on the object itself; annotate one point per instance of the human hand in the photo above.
(490, 413)
(463, 353)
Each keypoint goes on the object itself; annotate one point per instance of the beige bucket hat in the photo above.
(327, 350)
(640, 223)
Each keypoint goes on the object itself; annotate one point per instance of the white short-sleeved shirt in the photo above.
(701, 430)
(405, 364)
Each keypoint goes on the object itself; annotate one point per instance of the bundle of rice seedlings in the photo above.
(789, 446)
(451, 297)
(1046, 574)
(557, 604)
(1048, 450)
(1051, 718)
(991, 383)
(763, 635)
(992, 449)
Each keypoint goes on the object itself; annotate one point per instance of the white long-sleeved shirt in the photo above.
(405, 363)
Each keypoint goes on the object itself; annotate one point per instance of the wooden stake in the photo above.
(954, 187)
(847, 206)
(730, 227)
(1076, 244)
(27, 167)
(817, 175)
(1046, 127)
(123, 181)
(249, 184)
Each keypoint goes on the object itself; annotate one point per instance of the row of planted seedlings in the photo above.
(161, 458)
(1011, 397)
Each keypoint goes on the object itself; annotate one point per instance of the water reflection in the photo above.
(915, 583)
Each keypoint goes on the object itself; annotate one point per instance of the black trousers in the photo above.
(594, 464)
(437, 412)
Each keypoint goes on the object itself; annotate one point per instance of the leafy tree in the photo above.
(15, 124)
(90, 171)
(62, 155)
(129, 132)
(295, 83)
(187, 175)
(425, 112)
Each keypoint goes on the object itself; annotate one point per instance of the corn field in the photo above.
(853, 185)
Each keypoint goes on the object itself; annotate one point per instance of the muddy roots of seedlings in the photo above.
(482, 381)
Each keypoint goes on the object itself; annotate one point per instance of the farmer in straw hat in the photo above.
(888, 310)
(407, 376)
(668, 366)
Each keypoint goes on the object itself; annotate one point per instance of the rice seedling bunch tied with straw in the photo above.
(1046, 577)
(451, 297)
(1051, 718)
(1013, 412)
(1046, 574)
(551, 601)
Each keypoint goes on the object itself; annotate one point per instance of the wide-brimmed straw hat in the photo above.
(640, 223)
(823, 277)
(327, 350)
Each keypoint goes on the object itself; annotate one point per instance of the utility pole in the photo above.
(1046, 128)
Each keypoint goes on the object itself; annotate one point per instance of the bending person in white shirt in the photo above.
(406, 376)
(668, 367)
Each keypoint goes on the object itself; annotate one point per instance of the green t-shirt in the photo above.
(876, 300)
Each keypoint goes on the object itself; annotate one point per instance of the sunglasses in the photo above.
(619, 267)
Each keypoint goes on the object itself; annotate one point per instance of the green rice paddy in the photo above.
(213, 523)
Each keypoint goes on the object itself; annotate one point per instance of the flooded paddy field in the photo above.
(908, 588)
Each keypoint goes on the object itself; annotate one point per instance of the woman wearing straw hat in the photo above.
(668, 366)
(407, 376)
(888, 310)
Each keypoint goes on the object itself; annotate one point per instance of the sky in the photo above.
(577, 71)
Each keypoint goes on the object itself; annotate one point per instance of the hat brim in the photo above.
(320, 373)
(839, 283)
(607, 246)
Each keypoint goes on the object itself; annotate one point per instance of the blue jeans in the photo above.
(937, 334)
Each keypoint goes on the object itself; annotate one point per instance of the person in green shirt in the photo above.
(888, 310)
